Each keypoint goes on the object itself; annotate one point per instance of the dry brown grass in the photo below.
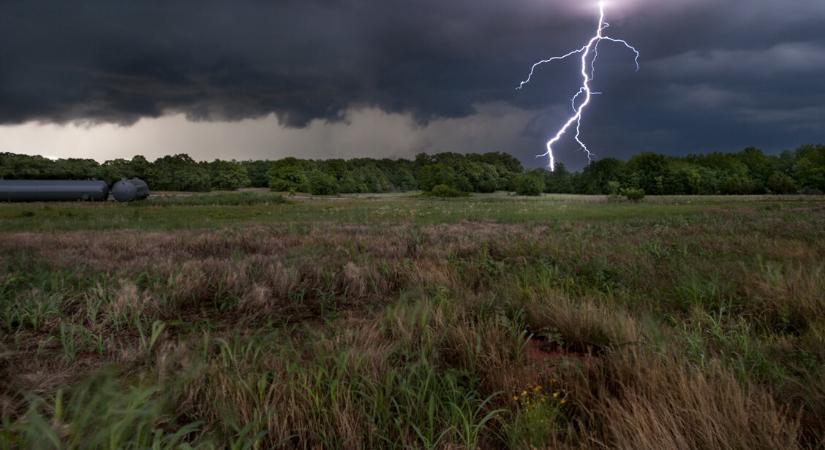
(581, 325)
(307, 334)
(635, 400)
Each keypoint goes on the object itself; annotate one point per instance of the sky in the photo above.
(256, 79)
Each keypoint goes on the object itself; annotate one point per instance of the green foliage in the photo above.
(559, 181)
(177, 173)
(288, 176)
(435, 174)
(633, 194)
(257, 172)
(613, 188)
(748, 172)
(537, 418)
(227, 175)
(648, 172)
(321, 183)
(780, 183)
(116, 170)
(595, 177)
(483, 177)
(100, 413)
(809, 169)
(32, 311)
(739, 184)
(445, 191)
(366, 177)
(149, 338)
(531, 183)
(487, 172)
(24, 167)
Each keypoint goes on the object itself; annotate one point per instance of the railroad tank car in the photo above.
(130, 190)
(53, 190)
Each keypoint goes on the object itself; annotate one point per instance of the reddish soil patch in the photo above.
(538, 351)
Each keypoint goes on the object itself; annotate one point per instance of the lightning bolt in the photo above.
(589, 52)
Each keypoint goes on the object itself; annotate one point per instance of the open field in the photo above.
(245, 320)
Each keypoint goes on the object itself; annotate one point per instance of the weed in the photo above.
(537, 419)
(241, 321)
(150, 339)
(98, 413)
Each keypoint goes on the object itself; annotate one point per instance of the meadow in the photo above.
(252, 320)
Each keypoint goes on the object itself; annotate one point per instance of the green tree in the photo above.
(747, 172)
(372, 178)
(809, 168)
(648, 171)
(75, 168)
(483, 177)
(559, 181)
(117, 169)
(25, 167)
(531, 183)
(780, 183)
(431, 175)
(507, 167)
(257, 172)
(594, 179)
(321, 183)
(402, 177)
(178, 173)
(739, 184)
(140, 166)
(227, 175)
(759, 167)
(289, 175)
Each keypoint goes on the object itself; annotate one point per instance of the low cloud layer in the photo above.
(365, 132)
(715, 75)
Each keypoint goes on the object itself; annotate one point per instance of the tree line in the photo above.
(750, 171)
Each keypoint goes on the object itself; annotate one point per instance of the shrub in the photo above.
(614, 188)
(288, 179)
(810, 191)
(321, 183)
(529, 184)
(444, 191)
(739, 185)
(633, 194)
(779, 183)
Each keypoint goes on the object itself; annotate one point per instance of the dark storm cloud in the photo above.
(715, 74)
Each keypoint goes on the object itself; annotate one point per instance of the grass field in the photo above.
(247, 320)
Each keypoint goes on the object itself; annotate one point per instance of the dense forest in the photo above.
(750, 171)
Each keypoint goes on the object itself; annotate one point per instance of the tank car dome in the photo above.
(124, 191)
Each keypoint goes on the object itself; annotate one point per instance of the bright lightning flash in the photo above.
(589, 52)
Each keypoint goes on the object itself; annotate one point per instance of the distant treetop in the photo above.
(750, 171)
